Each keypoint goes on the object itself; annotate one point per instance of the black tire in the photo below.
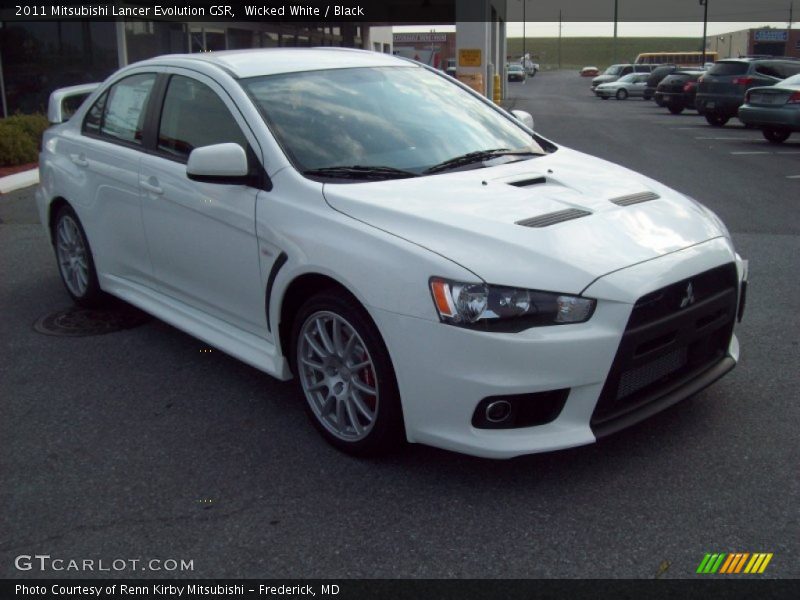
(604, 97)
(776, 135)
(660, 101)
(716, 119)
(92, 296)
(622, 94)
(387, 432)
(675, 110)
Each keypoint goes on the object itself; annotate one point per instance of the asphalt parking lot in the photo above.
(138, 444)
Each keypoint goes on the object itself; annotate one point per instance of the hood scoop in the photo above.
(554, 217)
(637, 198)
(529, 181)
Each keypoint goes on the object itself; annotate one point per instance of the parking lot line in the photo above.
(735, 139)
(755, 152)
(793, 177)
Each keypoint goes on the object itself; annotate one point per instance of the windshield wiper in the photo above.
(360, 172)
(479, 156)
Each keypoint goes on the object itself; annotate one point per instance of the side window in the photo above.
(626, 70)
(768, 69)
(94, 118)
(125, 108)
(788, 69)
(194, 116)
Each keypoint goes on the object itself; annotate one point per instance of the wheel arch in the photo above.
(296, 292)
(52, 211)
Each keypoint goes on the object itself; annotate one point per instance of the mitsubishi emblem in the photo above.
(688, 299)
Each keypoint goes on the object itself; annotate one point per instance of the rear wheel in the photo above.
(716, 119)
(345, 375)
(776, 135)
(675, 110)
(75, 262)
(622, 94)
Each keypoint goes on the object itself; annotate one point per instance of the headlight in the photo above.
(498, 308)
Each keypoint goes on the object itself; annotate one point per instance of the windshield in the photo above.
(793, 80)
(627, 78)
(729, 68)
(614, 70)
(403, 118)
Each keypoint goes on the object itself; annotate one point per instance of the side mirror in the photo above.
(218, 163)
(523, 117)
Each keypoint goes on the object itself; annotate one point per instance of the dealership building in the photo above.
(750, 42)
(37, 57)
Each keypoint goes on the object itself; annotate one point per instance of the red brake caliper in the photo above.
(368, 377)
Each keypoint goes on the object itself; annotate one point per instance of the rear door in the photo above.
(202, 236)
(108, 156)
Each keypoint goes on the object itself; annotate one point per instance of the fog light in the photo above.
(498, 411)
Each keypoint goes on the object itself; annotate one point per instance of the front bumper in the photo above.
(443, 372)
(784, 116)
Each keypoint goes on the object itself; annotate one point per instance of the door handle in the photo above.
(79, 159)
(151, 185)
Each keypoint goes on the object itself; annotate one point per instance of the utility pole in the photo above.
(559, 39)
(614, 52)
(524, 49)
(704, 4)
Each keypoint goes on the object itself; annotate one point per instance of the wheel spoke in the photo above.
(337, 337)
(361, 365)
(313, 364)
(359, 404)
(363, 387)
(314, 346)
(316, 386)
(323, 336)
(340, 410)
(351, 414)
(327, 406)
(348, 349)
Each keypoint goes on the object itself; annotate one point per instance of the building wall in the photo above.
(746, 42)
(39, 57)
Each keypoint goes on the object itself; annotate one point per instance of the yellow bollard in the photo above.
(498, 90)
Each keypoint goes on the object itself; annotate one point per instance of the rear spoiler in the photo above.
(55, 107)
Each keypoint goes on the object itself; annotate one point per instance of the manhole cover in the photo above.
(77, 322)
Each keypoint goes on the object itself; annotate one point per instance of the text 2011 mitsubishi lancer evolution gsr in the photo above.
(422, 263)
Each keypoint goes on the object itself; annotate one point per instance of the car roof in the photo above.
(270, 61)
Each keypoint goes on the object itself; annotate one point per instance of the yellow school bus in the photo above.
(682, 59)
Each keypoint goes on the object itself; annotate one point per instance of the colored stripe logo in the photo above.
(734, 563)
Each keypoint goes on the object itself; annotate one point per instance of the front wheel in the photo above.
(675, 110)
(345, 375)
(75, 262)
(775, 135)
(716, 119)
(622, 94)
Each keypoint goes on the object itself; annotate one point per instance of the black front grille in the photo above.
(673, 335)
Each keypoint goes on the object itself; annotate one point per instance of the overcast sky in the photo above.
(570, 29)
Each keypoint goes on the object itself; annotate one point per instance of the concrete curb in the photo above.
(17, 181)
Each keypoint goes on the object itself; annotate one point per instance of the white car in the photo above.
(631, 85)
(422, 263)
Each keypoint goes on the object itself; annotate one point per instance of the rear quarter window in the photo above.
(728, 68)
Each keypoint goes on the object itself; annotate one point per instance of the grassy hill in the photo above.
(577, 52)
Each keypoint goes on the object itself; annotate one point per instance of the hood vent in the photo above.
(528, 182)
(554, 217)
(635, 198)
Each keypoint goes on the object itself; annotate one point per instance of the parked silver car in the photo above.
(631, 85)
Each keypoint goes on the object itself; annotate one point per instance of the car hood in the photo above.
(472, 218)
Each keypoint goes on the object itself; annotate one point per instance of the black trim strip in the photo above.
(273, 273)
(649, 409)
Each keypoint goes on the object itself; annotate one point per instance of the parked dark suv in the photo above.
(655, 78)
(677, 90)
(721, 90)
